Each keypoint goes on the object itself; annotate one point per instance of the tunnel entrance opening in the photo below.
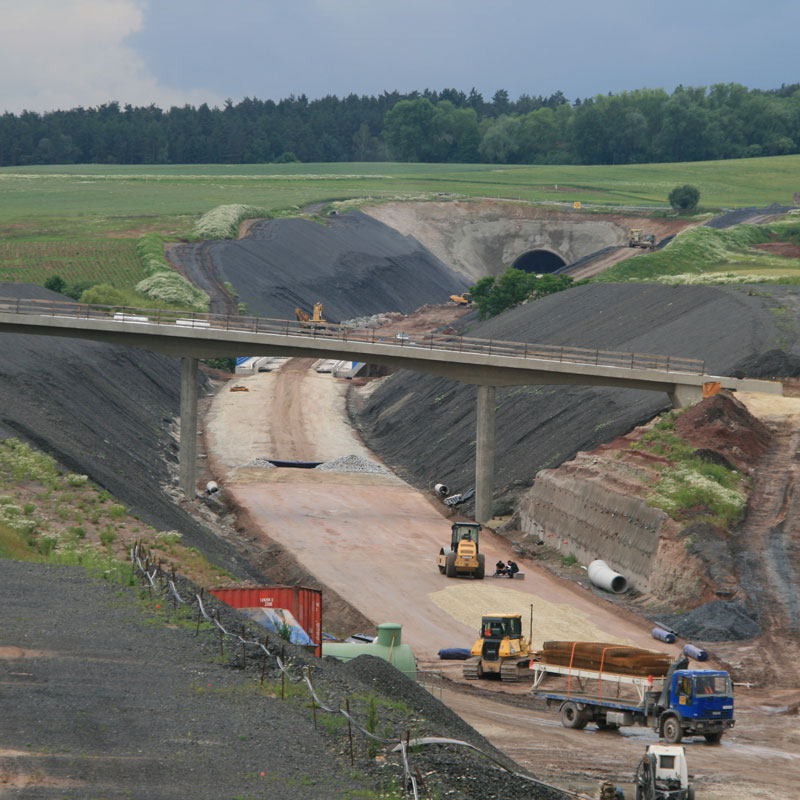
(539, 261)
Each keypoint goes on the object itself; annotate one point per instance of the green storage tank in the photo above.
(388, 646)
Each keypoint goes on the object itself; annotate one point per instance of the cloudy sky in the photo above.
(68, 53)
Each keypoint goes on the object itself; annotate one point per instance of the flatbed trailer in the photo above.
(682, 703)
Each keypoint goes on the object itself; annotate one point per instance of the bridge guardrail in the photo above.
(428, 341)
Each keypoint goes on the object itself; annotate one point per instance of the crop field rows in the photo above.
(112, 261)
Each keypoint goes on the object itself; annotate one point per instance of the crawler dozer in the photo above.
(463, 557)
(501, 649)
(639, 238)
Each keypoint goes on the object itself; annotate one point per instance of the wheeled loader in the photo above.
(501, 649)
(463, 557)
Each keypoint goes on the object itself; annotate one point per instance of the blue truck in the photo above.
(685, 702)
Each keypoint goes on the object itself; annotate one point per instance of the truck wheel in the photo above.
(450, 569)
(671, 730)
(714, 738)
(571, 717)
(481, 571)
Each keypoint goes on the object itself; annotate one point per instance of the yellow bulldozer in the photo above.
(501, 649)
(463, 557)
(314, 320)
(639, 238)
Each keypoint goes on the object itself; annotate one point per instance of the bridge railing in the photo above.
(429, 341)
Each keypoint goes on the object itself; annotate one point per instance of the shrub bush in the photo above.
(684, 198)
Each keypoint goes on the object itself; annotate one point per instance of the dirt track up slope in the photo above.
(354, 264)
(425, 426)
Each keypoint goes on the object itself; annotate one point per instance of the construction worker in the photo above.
(512, 568)
(500, 569)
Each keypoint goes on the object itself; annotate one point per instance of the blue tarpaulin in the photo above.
(276, 619)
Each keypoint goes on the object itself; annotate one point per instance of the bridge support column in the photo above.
(188, 445)
(683, 395)
(484, 453)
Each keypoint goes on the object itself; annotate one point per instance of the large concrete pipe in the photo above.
(600, 574)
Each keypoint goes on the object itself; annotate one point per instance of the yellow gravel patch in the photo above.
(551, 621)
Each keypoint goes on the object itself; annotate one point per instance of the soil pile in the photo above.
(724, 427)
(354, 264)
(717, 621)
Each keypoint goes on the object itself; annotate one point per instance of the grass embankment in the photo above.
(691, 489)
(704, 255)
(88, 214)
(50, 515)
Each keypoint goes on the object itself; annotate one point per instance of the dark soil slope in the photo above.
(354, 264)
(425, 426)
(103, 411)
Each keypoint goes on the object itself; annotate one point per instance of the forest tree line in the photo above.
(641, 126)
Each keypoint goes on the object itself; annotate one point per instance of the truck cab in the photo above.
(700, 704)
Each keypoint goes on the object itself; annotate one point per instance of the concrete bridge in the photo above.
(485, 363)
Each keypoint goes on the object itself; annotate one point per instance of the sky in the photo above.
(61, 54)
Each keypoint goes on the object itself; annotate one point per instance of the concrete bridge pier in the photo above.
(683, 395)
(484, 453)
(187, 458)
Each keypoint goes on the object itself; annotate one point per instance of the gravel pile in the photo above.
(717, 621)
(260, 462)
(352, 463)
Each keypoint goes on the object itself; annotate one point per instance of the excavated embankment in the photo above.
(595, 506)
(425, 426)
(354, 264)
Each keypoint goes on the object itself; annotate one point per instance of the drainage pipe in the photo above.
(441, 489)
(600, 574)
(695, 652)
(662, 635)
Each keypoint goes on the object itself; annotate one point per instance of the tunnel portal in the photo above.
(537, 261)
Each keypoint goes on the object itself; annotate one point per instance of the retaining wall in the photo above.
(588, 518)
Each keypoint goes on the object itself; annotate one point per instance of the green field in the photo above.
(87, 203)
(90, 200)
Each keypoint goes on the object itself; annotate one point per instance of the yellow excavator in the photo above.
(464, 299)
(314, 320)
(463, 557)
(501, 649)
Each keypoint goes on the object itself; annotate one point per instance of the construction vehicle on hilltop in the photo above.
(463, 299)
(313, 321)
(663, 774)
(501, 649)
(615, 686)
(638, 238)
(463, 557)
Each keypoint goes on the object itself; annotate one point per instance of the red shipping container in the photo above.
(304, 603)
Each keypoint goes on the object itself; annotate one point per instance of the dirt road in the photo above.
(373, 539)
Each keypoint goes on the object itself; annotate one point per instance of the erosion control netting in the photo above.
(742, 215)
(717, 621)
(354, 264)
(424, 424)
(105, 411)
